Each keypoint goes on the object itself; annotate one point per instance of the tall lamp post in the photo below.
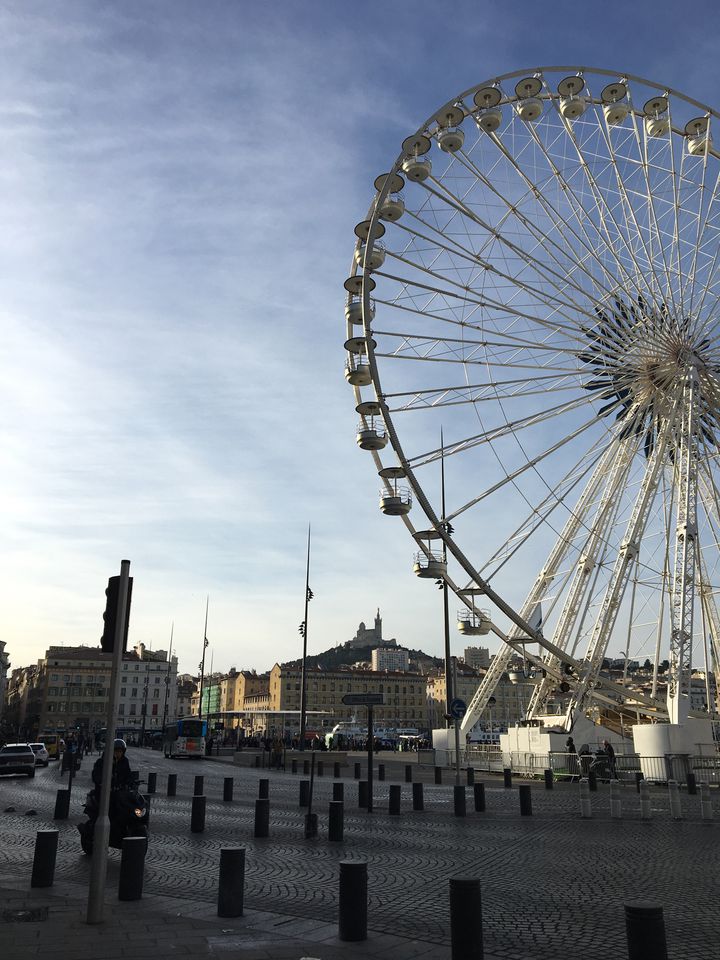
(303, 634)
(167, 680)
(202, 662)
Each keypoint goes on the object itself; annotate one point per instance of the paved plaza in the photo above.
(553, 885)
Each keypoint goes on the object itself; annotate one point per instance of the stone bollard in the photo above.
(381, 771)
(228, 785)
(408, 773)
(132, 868)
(470, 776)
(394, 800)
(466, 934)
(438, 775)
(62, 805)
(357, 771)
(706, 809)
(592, 781)
(262, 817)
(675, 803)
(459, 800)
(479, 794)
(338, 791)
(645, 930)
(363, 794)
(615, 800)
(231, 885)
(691, 785)
(645, 808)
(43, 868)
(507, 778)
(304, 793)
(172, 784)
(352, 908)
(585, 804)
(257, 761)
(549, 779)
(293, 765)
(525, 800)
(335, 820)
(418, 798)
(320, 768)
(639, 777)
(306, 767)
(197, 815)
(198, 788)
(336, 770)
(264, 789)
(152, 783)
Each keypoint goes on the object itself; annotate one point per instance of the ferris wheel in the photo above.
(533, 310)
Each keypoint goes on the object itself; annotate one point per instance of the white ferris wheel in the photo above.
(537, 282)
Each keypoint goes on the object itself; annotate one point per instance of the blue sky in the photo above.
(178, 188)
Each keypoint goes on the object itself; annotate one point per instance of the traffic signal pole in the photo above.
(98, 872)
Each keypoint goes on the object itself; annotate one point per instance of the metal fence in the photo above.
(571, 766)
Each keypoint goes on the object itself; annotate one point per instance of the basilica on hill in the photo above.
(370, 636)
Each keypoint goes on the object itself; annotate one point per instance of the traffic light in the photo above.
(112, 592)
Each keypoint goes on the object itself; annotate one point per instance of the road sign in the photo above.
(458, 708)
(363, 699)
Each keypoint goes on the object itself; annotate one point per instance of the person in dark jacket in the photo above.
(122, 775)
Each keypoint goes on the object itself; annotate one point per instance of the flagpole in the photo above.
(449, 692)
(303, 631)
(202, 663)
(167, 678)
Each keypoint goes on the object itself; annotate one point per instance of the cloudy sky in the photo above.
(179, 181)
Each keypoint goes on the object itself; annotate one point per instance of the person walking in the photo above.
(611, 761)
(573, 766)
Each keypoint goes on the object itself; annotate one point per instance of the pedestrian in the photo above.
(573, 767)
(611, 762)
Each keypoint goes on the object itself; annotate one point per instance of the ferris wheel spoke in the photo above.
(704, 228)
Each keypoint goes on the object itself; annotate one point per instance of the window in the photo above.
(66, 678)
(156, 693)
(78, 679)
(53, 691)
(121, 710)
(132, 709)
(137, 666)
(133, 692)
(55, 676)
(154, 709)
(123, 691)
(51, 707)
(125, 666)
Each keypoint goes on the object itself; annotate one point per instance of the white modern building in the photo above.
(391, 658)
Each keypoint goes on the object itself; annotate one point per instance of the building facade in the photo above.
(390, 658)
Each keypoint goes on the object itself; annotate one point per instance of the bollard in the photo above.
(262, 817)
(363, 794)
(525, 800)
(335, 820)
(43, 868)
(479, 792)
(62, 805)
(304, 793)
(418, 798)
(338, 791)
(381, 771)
(320, 768)
(466, 936)
(615, 800)
(357, 771)
(152, 782)
(311, 825)
(264, 789)
(306, 767)
(675, 804)
(549, 779)
(197, 815)
(507, 778)
(408, 773)
(438, 775)
(336, 770)
(645, 929)
(198, 788)
(639, 777)
(231, 885)
(470, 776)
(352, 921)
(132, 867)
(592, 781)
(257, 761)
(691, 785)
(585, 804)
(645, 808)
(293, 766)
(706, 810)
(459, 800)
(394, 800)
(228, 784)
(172, 784)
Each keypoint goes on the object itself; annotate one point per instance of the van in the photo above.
(52, 744)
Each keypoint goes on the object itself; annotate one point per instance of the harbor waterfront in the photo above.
(547, 880)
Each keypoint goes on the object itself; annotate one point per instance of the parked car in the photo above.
(17, 758)
(42, 757)
(53, 744)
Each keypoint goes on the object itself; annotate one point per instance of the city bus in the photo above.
(185, 738)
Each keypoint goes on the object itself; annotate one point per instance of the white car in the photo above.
(17, 758)
(42, 757)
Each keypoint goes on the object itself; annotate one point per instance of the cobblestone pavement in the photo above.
(549, 882)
